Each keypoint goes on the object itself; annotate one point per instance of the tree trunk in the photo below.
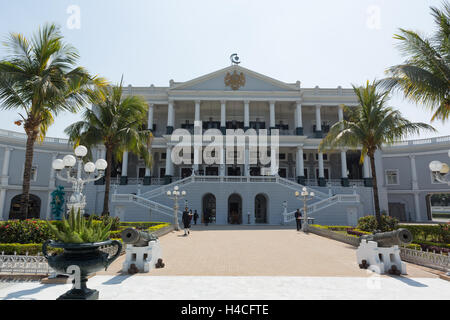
(29, 151)
(109, 154)
(375, 189)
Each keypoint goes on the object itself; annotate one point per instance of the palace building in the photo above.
(241, 192)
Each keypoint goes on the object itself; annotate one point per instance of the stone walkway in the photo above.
(256, 251)
(252, 263)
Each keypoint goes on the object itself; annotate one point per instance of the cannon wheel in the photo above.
(363, 264)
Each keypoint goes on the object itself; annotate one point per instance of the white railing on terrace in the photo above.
(420, 142)
(23, 136)
(320, 205)
(228, 179)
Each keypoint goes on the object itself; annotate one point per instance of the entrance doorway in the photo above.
(186, 172)
(209, 208)
(260, 208)
(235, 209)
(397, 210)
(34, 208)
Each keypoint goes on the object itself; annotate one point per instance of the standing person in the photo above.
(195, 217)
(206, 217)
(186, 221)
(298, 218)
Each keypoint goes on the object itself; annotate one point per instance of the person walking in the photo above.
(298, 218)
(186, 218)
(195, 217)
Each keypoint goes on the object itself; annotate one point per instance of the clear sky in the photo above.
(324, 42)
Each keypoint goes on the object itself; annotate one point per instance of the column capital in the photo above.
(318, 106)
(246, 102)
(299, 102)
(223, 101)
(341, 106)
(197, 101)
(412, 156)
(272, 102)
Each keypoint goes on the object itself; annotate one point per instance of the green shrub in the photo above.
(106, 220)
(434, 233)
(369, 223)
(22, 249)
(24, 231)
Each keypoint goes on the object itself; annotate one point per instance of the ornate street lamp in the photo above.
(305, 196)
(440, 171)
(77, 199)
(176, 195)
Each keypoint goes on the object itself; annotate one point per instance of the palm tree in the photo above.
(370, 126)
(40, 79)
(425, 76)
(117, 123)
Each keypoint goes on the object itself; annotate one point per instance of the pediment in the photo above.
(234, 78)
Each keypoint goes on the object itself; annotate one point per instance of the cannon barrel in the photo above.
(389, 239)
(136, 237)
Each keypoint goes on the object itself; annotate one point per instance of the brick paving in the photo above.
(256, 251)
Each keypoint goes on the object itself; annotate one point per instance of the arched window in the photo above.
(34, 208)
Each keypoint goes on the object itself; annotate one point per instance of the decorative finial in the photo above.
(235, 59)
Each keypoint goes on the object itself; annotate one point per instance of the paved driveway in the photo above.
(256, 251)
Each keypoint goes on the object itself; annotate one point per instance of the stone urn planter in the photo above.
(87, 257)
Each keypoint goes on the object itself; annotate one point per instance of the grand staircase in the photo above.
(321, 200)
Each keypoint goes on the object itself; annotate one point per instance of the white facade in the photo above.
(302, 115)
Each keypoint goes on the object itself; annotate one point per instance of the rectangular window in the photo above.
(33, 174)
(163, 156)
(324, 156)
(141, 172)
(392, 177)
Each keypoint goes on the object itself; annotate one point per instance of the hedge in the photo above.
(21, 249)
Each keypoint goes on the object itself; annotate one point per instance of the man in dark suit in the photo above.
(298, 218)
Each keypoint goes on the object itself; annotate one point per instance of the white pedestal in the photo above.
(380, 260)
(144, 258)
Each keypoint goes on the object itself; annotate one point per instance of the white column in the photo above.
(300, 167)
(169, 163)
(415, 184)
(298, 115)
(318, 118)
(223, 114)
(321, 170)
(170, 115)
(417, 206)
(6, 157)
(246, 162)
(124, 172)
(4, 182)
(148, 171)
(272, 114)
(366, 167)
(344, 173)
(246, 114)
(197, 110)
(222, 165)
(150, 116)
(341, 112)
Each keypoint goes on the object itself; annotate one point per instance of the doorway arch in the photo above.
(235, 209)
(209, 208)
(261, 208)
(34, 208)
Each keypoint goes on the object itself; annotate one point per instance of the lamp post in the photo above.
(305, 196)
(176, 195)
(77, 200)
(440, 171)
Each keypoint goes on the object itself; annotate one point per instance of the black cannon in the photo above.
(389, 239)
(137, 238)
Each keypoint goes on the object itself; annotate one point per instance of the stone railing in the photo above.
(24, 264)
(23, 136)
(320, 205)
(433, 260)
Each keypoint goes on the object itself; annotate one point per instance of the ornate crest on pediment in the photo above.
(235, 80)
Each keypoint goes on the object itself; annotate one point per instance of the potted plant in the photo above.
(81, 241)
